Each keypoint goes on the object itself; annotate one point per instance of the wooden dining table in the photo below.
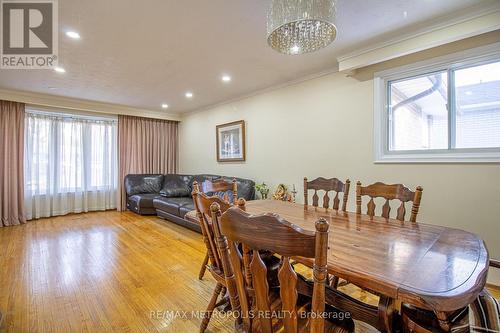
(432, 267)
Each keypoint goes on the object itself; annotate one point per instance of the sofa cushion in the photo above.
(201, 178)
(246, 187)
(176, 186)
(142, 203)
(136, 184)
(171, 205)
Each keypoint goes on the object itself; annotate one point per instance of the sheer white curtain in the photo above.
(70, 164)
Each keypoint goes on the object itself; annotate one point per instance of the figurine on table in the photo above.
(282, 193)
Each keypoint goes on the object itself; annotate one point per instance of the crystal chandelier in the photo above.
(300, 26)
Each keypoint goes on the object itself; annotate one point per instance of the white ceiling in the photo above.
(145, 53)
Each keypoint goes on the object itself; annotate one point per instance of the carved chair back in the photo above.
(327, 185)
(202, 204)
(219, 186)
(269, 232)
(389, 192)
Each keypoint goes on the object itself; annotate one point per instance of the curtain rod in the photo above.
(69, 114)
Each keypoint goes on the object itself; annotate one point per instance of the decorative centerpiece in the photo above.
(263, 190)
(282, 193)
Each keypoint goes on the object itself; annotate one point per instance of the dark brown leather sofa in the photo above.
(169, 196)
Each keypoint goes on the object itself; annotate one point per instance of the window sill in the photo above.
(428, 158)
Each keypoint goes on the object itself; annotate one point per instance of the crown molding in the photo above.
(472, 24)
(77, 104)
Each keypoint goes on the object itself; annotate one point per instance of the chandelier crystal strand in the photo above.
(301, 26)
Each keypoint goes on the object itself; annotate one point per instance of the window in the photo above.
(418, 116)
(477, 106)
(70, 163)
(442, 112)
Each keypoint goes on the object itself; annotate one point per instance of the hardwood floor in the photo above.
(104, 272)
(494, 290)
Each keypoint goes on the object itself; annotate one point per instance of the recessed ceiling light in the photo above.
(189, 94)
(405, 14)
(59, 69)
(226, 78)
(73, 34)
(164, 106)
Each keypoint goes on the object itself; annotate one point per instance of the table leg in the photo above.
(386, 310)
(203, 267)
(444, 320)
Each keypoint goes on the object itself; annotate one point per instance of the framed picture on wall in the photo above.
(231, 141)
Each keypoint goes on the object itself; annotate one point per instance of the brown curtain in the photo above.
(11, 163)
(145, 146)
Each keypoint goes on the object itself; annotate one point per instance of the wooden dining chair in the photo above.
(270, 232)
(389, 192)
(494, 263)
(202, 204)
(221, 188)
(327, 185)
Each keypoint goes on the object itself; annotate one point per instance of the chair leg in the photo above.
(210, 308)
(203, 267)
(224, 305)
(223, 300)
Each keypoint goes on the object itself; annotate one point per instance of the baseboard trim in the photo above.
(493, 286)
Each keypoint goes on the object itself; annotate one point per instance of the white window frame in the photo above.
(459, 60)
(67, 113)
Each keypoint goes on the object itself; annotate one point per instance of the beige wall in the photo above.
(324, 127)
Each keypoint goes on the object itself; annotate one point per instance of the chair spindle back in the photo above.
(327, 185)
(389, 192)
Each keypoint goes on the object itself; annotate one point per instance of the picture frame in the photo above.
(231, 142)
